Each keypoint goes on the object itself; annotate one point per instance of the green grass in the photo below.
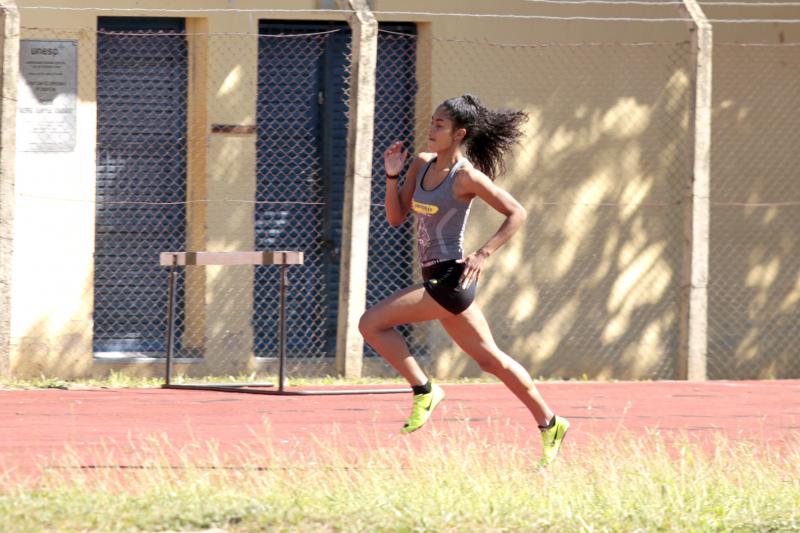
(460, 483)
(121, 380)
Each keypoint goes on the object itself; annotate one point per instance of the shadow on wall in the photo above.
(754, 285)
(590, 286)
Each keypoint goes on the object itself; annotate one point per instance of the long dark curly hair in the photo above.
(489, 133)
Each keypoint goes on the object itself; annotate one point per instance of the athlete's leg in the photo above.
(471, 332)
(377, 324)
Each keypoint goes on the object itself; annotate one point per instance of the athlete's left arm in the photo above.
(473, 183)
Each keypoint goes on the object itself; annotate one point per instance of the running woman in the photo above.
(439, 187)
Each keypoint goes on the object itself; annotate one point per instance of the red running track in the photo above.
(37, 425)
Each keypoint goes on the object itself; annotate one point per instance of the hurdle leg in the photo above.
(282, 328)
(170, 318)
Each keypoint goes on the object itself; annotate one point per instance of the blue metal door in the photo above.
(302, 153)
(141, 178)
(301, 156)
(391, 250)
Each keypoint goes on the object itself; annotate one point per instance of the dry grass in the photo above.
(459, 483)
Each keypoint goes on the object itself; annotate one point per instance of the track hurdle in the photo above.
(282, 259)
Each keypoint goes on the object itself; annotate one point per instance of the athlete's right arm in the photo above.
(398, 198)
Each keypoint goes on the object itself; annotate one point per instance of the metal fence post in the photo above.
(9, 21)
(355, 224)
(692, 362)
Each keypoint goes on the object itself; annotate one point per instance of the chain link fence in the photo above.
(392, 251)
(591, 285)
(231, 142)
(258, 166)
(754, 279)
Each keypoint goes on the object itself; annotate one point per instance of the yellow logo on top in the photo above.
(424, 209)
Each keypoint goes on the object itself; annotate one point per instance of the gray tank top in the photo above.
(441, 218)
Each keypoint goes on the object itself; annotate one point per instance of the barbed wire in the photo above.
(411, 36)
(659, 3)
(417, 13)
(173, 33)
(294, 202)
(241, 34)
(608, 2)
(388, 32)
(531, 45)
(751, 4)
(776, 45)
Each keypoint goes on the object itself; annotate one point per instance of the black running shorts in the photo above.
(441, 280)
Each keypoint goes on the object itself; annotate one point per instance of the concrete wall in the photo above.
(754, 273)
(52, 294)
(590, 285)
(9, 45)
(51, 329)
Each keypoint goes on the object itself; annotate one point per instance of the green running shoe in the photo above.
(424, 404)
(552, 439)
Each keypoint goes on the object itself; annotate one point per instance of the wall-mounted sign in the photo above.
(46, 103)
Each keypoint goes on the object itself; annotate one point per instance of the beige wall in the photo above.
(754, 307)
(52, 294)
(9, 43)
(591, 283)
(51, 329)
(754, 304)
